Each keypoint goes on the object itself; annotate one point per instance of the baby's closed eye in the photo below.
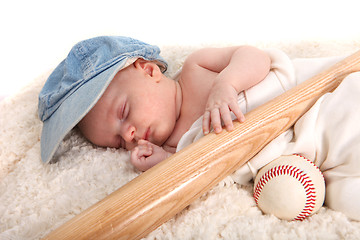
(123, 111)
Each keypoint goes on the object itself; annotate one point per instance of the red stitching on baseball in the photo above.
(297, 174)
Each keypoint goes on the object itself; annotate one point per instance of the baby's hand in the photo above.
(147, 154)
(222, 100)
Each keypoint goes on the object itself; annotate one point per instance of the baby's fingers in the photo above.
(226, 118)
(211, 118)
(216, 120)
(144, 150)
(234, 107)
(139, 156)
(206, 123)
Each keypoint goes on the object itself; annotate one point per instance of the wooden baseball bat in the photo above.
(139, 207)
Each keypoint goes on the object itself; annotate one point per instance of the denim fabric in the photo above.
(77, 83)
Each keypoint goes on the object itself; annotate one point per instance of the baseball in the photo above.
(290, 187)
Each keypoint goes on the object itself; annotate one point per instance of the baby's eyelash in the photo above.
(126, 110)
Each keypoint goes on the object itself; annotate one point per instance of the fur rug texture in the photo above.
(36, 198)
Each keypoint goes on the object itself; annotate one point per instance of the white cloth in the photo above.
(328, 134)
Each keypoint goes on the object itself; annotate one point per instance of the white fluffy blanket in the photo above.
(36, 198)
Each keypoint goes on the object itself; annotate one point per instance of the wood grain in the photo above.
(157, 195)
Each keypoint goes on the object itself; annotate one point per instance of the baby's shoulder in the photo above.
(195, 77)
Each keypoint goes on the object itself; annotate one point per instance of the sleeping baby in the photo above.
(114, 90)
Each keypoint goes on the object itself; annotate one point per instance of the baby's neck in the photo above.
(171, 143)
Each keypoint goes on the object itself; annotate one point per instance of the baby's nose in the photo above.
(129, 133)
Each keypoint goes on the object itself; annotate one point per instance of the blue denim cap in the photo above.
(78, 82)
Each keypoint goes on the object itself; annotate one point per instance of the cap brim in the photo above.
(73, 109)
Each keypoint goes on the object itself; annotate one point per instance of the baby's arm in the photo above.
(147, 154)
(238, 68)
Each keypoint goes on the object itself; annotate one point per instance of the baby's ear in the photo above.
(148, 67)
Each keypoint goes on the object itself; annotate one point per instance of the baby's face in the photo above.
(133, 107)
